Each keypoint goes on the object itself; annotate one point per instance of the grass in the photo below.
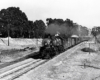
(13, 54)
(15, 51)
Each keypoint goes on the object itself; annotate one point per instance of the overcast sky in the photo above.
(83, 12)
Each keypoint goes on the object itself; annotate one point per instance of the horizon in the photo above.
(82, 12)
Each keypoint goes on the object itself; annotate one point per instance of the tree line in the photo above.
(14, 23)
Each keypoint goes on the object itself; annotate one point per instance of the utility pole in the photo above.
(8, 26)
(8, 33)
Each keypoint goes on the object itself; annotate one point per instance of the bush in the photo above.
(87, 50)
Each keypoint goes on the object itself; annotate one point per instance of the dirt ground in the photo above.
(78, 66)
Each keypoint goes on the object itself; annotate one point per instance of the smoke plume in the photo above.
(61, 28)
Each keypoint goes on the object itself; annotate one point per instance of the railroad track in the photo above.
(16, 70)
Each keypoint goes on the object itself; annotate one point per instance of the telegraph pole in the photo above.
(8, 33)
(8, 26)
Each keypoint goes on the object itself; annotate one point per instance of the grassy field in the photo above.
(13, 54)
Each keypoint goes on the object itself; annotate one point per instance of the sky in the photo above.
(83, 12)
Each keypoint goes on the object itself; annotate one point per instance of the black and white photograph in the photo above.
(50, 40)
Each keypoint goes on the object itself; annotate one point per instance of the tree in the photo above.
(16, 18)
(69, 22)
(39, 28)
(49, 21)
(30, 29)
(95, 32)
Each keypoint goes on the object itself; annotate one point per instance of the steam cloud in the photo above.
(61, 28)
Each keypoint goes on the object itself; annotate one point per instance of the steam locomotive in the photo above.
(51, 46)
